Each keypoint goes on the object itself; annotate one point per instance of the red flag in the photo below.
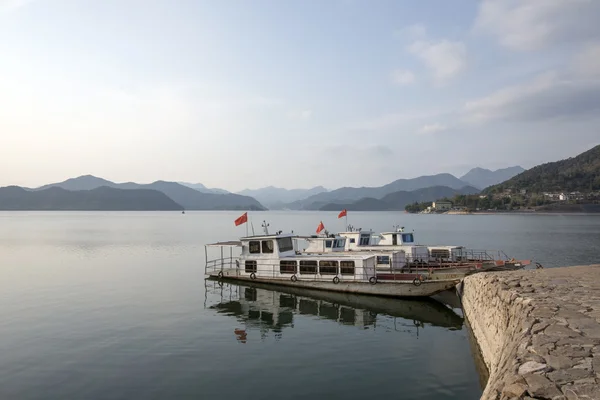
(242, 220)
(320, 227)
(343, 213)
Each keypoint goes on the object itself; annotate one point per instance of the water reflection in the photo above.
(260, 307)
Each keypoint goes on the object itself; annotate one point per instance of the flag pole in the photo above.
(246, 229)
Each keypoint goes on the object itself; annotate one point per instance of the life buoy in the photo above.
(373, 280)
(220, 274)
(417, 282)
(293, 278)
(336, 280)
(253, 276)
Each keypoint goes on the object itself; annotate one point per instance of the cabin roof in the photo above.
(274, 236)
(230, 243)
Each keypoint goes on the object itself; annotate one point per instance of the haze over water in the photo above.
(115, 306)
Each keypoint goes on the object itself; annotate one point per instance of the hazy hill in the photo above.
(348, 195)
(398, 200)
(187, 197)
(580, 173)
(482, 178)
(274, 196)
(201, 188)
(84, 182)
(98, 199)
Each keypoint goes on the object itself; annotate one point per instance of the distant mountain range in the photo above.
(349, 195)
(482, 178)
(98, 199)
(196, 196)
(580, 173)
(186, 197)
(274, 197)
(398, 200)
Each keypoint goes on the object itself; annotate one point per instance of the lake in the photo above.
(110, 305)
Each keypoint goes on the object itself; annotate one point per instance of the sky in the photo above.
(244, 94)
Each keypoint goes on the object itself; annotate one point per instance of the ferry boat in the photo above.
(273, 258)
(431, 256)
(398, 256)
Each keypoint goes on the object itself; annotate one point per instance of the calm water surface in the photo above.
(115, 306)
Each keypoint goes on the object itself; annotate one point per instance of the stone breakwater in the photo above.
(538, 331)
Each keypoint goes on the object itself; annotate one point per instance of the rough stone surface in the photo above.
(539, 386)
(517, 390)
(531, 366)
(538, 331)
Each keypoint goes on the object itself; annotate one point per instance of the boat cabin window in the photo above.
(328, 267)
(347, 267)
(407, 238)
(250, 266)
(267, 246)
(254, 247)
(285, 244)
(394, 239)
(287, 267)
(364, 240)
(383, 259)
(308, 267)
(339, 243)
(328, 243)
(440, 253)
(352, 240)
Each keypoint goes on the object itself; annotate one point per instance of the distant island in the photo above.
(570, 185)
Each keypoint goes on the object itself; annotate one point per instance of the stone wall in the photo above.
(538, 331)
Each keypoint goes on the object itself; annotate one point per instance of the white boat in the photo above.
(428, 256)
(274, 259)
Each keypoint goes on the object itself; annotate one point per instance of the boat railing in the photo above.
(292, 269)
(282, 269)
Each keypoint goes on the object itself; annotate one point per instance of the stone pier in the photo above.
(538, 331)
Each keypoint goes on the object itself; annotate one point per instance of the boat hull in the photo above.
(425, 288)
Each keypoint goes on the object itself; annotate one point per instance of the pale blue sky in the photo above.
(238, 94)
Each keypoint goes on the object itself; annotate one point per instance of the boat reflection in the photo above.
(260, 307)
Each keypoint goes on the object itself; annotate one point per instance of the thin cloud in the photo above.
(433, 128)
(547, 97)
(533, 25)
(445, 59)
(587, 62)
(402, 77)
(411, 32)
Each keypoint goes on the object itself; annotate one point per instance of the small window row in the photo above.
(308, 267)
(312, 267)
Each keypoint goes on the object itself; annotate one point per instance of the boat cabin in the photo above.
(274, 257)
(386, 259)
(447, 253)
(398, 240)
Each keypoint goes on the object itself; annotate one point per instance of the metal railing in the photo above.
(233, 267)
